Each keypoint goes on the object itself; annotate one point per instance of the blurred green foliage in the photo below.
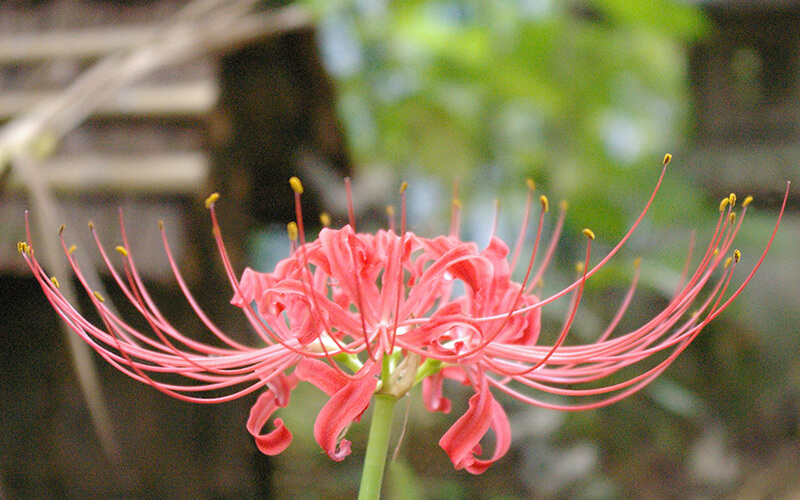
(585, 97)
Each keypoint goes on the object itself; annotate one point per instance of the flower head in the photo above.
(360, 314)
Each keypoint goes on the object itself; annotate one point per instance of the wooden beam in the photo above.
(169, 174)
(84, 44)
(186, 99)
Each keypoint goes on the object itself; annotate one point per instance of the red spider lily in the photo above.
(360, 314)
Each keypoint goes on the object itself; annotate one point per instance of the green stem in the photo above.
(377, 447)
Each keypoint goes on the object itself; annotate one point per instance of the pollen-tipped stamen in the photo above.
(297, 187)
(491, 337)
(554, 239)
(455, 212)
(400, 252)
(351, 214)
(292, 232)
(524, 226)
(573, 310)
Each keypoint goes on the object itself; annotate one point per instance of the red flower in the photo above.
(358, 314)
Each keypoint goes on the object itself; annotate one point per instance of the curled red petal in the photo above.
(277, 440)
(432, 394)
(462, 440)
(344, 407)
(251, 287)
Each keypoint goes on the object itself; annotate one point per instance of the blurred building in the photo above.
(746, 85)
(239, 119)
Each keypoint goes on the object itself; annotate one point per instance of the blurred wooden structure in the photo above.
(142, 151)
(745, 78)
(746, 86)
(239, 120)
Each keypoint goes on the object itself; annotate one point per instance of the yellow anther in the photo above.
(667, 159)
(390, 210)
(716, 252)
(563, 205)
(531, 185)
(297, 186)
(22, 247)
(545, 203)
(61, 229)
(727, 263)
(747, 201)
(403, 187)
(732, 198)
(579, 267)
(54, 281)
(91, 226)
(497, 203)
(121, 250)
(291, 228)
(637, 262)
(212, 198)
(732, 217)
(588, 233)
(737, 255)
(325, 219)
(98, 296)
(72, 249)
(160, 225)
(724, 204)
(456, 203)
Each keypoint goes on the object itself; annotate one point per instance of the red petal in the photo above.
(251, 287)
(344, 407)
(277, 440)
(326, 378)
(432, 394)
(462, 440)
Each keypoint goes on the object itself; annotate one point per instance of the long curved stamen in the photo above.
(139, 297)
(513, 304)
(495, 218)
(573, 310)
(685, 336)
(400, 256)
(113, 325)
(193, 303)
(633, 227)
(261, 327)
(597, 266)
(308, 290)
(623, 308)
(297, 188)
(157, 322)
(533, 252)
(455, 213)
(390, 218)
(524, 226)
(351, 214)
(760, 260)
(293, 233)
(554, 238)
